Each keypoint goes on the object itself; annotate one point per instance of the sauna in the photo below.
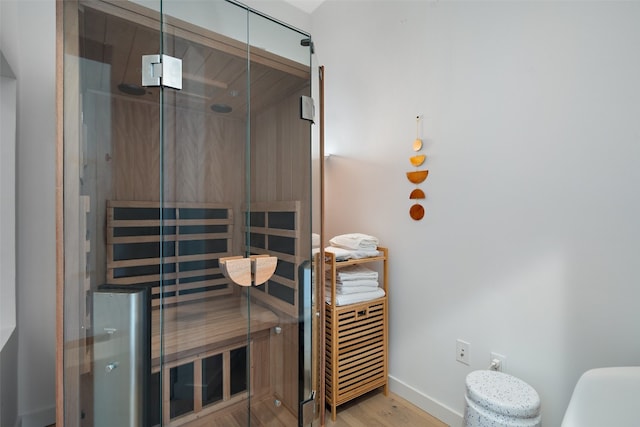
(182, 140)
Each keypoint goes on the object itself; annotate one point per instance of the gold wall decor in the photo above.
(417, 160)
(417, 176)
(417, 194)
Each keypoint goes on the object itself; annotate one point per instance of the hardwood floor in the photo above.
(371, 410)
(377, 410)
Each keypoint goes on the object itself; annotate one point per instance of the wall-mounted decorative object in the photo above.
(417, 144)
(416, 211)
(418, 176)
(417, 194)
(417, 160)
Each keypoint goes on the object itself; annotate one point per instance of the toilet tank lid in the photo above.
(502, 393)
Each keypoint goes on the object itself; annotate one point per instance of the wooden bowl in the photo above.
(418, 176)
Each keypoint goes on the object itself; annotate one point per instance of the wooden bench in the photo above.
(205, 346)
(196, 328)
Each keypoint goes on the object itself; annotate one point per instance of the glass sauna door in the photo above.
(185, 150)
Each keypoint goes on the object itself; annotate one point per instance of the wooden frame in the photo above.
(320, 340)
(59, 214)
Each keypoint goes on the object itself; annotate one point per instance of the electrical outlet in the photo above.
(497, 362)
(462, 351)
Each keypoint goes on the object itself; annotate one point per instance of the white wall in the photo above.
(27, 37)
(283, 12)
(530, 240)
(8, 341)
(8, 115)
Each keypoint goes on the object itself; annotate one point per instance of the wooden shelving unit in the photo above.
(356, 339)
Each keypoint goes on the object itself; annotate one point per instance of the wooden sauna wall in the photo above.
(281, 171)
(203, 156)
(281, 158)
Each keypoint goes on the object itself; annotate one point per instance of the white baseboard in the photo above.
(424, 402)
(43, 417)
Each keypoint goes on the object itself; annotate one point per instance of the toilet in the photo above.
(496, 399)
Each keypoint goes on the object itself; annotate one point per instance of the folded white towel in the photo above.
(364, 253)
(354, 298)
(345, 290)
(342, 254)
(315, 240)
(355, 272)
(339, 253)
(355, 241)
(355, 284)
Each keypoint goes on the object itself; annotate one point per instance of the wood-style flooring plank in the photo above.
(373, 409)
(377, 410)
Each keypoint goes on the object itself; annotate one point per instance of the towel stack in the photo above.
(355, 279)
(355, 283)
(353, 245)
(355, 241)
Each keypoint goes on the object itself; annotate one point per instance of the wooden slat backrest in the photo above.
(188, 237)
(274, 229)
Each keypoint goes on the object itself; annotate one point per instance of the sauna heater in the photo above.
(121, 357)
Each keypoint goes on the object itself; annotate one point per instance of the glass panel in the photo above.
(204, 168)
(280, 185)
(111, 132)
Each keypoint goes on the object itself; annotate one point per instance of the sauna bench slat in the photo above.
(197, 327)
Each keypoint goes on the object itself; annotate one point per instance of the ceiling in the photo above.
(306, 5)
(210, 75)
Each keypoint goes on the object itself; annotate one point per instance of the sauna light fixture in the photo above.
(132, 89)
(221, 108)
